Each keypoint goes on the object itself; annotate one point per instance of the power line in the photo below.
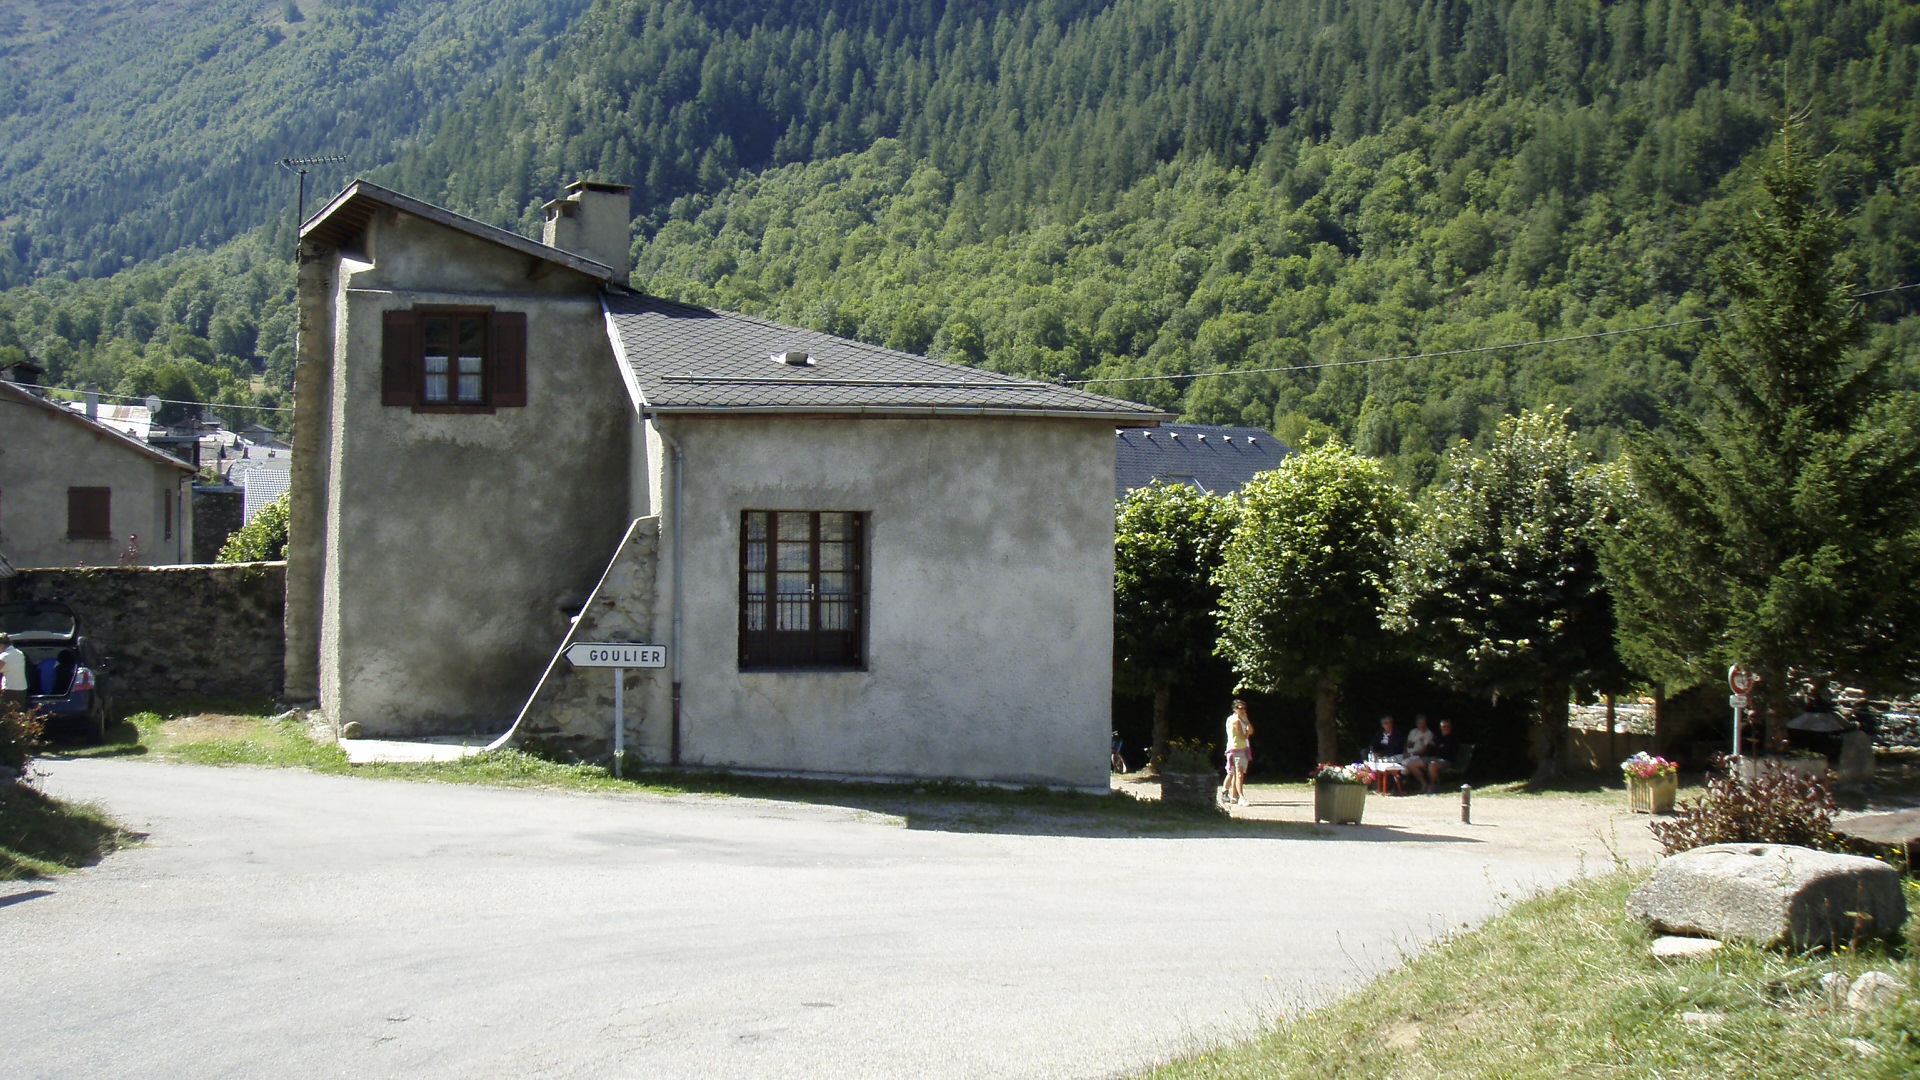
(81, 395)
(1446, 352)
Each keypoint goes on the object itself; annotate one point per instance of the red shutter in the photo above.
(400, 359)
(507, 333)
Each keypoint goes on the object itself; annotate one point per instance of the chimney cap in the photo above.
(598, 185)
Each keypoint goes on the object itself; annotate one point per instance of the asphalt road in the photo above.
(283, 924)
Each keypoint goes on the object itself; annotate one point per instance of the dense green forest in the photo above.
(1072, 188)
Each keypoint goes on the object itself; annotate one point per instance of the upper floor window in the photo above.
(89, 513)
(454, 359)
(803, 589)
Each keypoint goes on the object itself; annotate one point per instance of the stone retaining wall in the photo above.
(572, 708)
(202, 631)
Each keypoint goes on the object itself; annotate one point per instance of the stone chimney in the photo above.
(593, 221)
(93, 403)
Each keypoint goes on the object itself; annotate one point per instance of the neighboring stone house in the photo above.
(860, 562)
(74, 491)
(1217, 460)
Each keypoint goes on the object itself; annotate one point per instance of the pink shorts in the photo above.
(1240, 759)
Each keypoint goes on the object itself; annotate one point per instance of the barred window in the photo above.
(802, 589)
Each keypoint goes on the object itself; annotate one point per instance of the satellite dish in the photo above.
(152, 403)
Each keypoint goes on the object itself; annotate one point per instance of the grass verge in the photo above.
(41, 835)
(213, 738)
(1564, 986)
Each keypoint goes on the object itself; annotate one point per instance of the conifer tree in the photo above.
(1781, 529)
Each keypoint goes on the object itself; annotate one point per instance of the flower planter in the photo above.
(1192, 788)
(1339, 802)
(1652, 795)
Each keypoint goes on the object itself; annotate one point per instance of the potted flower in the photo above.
(1187, 773)
(1340, 792)
(1652, 783)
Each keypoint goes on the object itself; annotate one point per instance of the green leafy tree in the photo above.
(262, 539)
(1781, 529)
(1168, 540)
(1304, 579)
(1500, 586)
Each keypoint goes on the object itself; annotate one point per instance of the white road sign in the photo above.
(616, 654)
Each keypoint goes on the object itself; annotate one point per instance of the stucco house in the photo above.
(76, 491)
(859, 561)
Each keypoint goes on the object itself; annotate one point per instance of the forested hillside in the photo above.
(1070, 188)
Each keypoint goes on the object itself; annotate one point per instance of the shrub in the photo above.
(1777, 808)
(1188, 756)
(262, 539)
(19, 734)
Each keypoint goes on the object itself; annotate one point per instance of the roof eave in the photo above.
(334, 223)
(1129, 419)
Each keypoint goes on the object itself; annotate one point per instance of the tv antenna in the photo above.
(299, 165)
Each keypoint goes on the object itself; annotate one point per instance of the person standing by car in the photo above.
(13, 675)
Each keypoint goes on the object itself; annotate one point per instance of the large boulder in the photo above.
(1771, 894)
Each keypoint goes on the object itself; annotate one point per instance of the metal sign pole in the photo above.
(619, 718)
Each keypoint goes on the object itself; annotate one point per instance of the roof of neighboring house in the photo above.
(343, 219)
(134, 420)
(680, 358)
(1219, 460)
(12, 392)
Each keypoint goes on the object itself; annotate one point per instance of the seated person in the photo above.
(1419, 748)
(1389, 745)
(1440, 756)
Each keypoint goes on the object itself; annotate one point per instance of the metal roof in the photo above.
(345, 217)
(685, 359)
(1219, 460)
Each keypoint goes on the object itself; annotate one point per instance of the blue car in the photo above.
(63, 671)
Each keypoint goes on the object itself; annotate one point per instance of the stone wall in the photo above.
(202, 631)
(572, 708)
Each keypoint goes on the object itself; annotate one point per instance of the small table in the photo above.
(1389, 772)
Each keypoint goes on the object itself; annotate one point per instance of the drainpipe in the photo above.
(673, 648)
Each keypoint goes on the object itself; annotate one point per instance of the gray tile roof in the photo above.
(691, 359)
(345, 216)
(1218, 459)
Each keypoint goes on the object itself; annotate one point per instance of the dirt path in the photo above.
(1597, 829)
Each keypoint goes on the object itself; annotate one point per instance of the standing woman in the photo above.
(1239, 754)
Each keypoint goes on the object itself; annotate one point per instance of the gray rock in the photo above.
(1771, 894)
(1684, 948)
(1862, 1047)
(1856, 757)
(350, 729)
(1833, 988)
(1874, 991)
(1703, 1019)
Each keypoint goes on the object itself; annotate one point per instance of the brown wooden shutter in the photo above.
(507, 334)
(90, 513)
(400, 359)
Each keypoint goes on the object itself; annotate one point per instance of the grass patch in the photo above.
(237, 739)
(41, 835)
(1563, 986)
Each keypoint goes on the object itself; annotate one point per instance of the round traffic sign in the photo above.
(1740, 680)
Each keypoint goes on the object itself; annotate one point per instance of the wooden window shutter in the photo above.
(507, 334)
(90, 513)
(400, 359)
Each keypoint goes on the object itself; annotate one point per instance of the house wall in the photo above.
(990, 619)
(42, 454)
(457, 546)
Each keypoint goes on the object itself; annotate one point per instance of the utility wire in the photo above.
(80, 395)
(1447, 352)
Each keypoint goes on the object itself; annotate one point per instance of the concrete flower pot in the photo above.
(1192, 788)
(1340, 802)
(1652, 795)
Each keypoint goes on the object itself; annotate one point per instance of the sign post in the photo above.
(1741, 682)
(618, 655)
